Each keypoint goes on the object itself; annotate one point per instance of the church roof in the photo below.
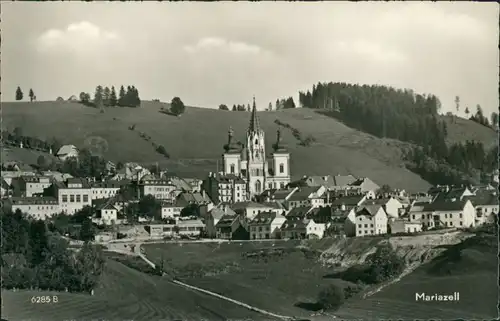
(254, 120)
(232, 146)
(279, 146)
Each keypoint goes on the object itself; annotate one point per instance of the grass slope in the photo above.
(461, 130)
(469, 268)
(195, 140)
(279, 285)
(25, 155)
(124, 294)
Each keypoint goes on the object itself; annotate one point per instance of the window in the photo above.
(282, 168)
(78, 198)
(232, 168)
(256, 141)
(460, 215)
(270, 185)
(65, 198)
(413, 216)
(85, 198)
(460, 223)
(72, 198)
(371, 225)
(445, 215)
(282, 185)
(360, 225)
(366, 225)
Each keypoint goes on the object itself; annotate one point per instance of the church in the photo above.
(249, 162)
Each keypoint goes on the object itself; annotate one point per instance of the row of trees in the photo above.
(34, 257)
(107, 97)
(20, 94)
(478, 117)
(284, 103)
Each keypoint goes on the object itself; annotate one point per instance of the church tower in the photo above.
(232, 155)
(256, 156)
(281, 163)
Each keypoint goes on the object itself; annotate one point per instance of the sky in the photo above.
(225, 53)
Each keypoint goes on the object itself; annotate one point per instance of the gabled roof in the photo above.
(226, 221)
(303, 193)
(66, 149)
(368, 209)
(274, 205)
(299, 212)
(78, 180)
(294, 225)
(247, 204)
(378, 201)
(483, 198)
(445, 206)
(348, 200)
(263, 218)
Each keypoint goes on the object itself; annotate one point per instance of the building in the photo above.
(444, 213)
(250, 210)
(170, 211)
(107, 214)
(400, 225)
(486, 205)
(57, 176)
(300, 212)
(67, 151)
(29, 186)
(106, 189)
(214, 216)
(231, 227)
(391, 205)
(5, 189)
(366, 220)
(227, 188)
(190, 227)
(348, 202)
(332, 183)
(305, 196)
(39, 208)
(302, 229)
(364, 185)
(160, 188)
(72, 195)
(249, 161)
(266, 225)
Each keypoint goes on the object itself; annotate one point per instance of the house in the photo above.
(106, 189)
(231, 227)
(131, 171)
(15, 166)
(250, 209)
(337, 182)
(348, 202)
(104, 237)
(194, 183)
(160, 188)
(364, 185)
(180, 183)
(366, 220)
(307, 196)
(190, 227)
(453, 193)
(486, 205)
(186, 198)
(57, 176)
(225, 188)
(337, 223)
(170, 210)
(5, 189)
(299, 213)
(265, 225)
(29, 186)
(301, 229)
(214, 216)
(277, 195)
(39, 208)
(67, 151)
(391, 205)
(400, 225)
(443, 213)
(72, 195)
(107, 214)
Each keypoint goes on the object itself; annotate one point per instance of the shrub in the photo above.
(160, 149)
(331, 297)
(351, 290)
(385, 264)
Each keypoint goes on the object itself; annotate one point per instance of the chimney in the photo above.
(342, 207)
(209, 174)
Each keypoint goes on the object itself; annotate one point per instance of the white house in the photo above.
(399, 225)
(213, 218)
(366, 220)
(486, 205)
(304, 196)
(315, 230)
(171, 211)
(265, 225)
(66, 152)
(73, 195)
(39, 208)
(251, 209)
(445, 214)
(391, 205)
(107, 214)
(106, 189)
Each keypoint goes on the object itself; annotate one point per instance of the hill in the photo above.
(124, 294)
(195, 140)
(461, 130)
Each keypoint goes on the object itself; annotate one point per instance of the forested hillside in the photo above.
(403, 115)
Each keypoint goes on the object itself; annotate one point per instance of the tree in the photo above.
(177, 106)
(19, 93)
(467, 111)
(18, 134)
(457, 103)
(121, 96)
(384, 189)
(98, 96)
(84, 98)
(270, 108)
(494, 119)
(248, 108)
(106, 96)
(112, 97)
(149, 206)
(223, 107)
(190, 210)
(234, 108)
(277, 104)
(32, 95)
(41, 162)
(87, 231)
(331, 297)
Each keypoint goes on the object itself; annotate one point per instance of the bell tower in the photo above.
(256, 156)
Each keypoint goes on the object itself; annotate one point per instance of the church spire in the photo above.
(254, 120)
(231, 146)
(279, 146)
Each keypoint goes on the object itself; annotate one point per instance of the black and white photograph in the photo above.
(249, 161)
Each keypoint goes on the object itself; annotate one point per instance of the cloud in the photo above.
(81, 37)
(373, 52)
(222, 45)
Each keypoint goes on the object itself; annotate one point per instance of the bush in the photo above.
(384, 264)
(331, 297)
(351, 290)
(160, 149)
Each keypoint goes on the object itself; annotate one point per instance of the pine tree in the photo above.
(277, 104)
(270, 106)
(112, 97)
(467, 111)
(121, 97)
(31, 94)
(106, 95)
(234, 107)
(19, 93)
(248, 107)
(98, 97)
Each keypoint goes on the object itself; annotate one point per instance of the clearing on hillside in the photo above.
(195, 140)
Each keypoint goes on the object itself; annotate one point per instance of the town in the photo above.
(252, 197)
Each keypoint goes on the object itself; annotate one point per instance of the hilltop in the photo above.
(195, 140)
